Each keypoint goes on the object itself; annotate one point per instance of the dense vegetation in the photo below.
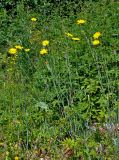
(59, 80)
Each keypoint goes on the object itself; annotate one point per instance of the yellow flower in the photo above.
(33, 19)
(12, 51)
(69, 34)
(96, 35)
(16, 158)
(27, 50)
(18, 47)
(43, 51)
(81, 21)
(45, 43)
(75, 39)
(96, 42)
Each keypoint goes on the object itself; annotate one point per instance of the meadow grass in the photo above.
(60, 83)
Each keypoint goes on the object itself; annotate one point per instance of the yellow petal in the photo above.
(96, 42)
(75, 39)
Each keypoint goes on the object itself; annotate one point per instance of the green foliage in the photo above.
(46, 7)
(62, 104)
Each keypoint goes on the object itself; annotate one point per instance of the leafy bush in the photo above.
(46, 6)
(59, 82)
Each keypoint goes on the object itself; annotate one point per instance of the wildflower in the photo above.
(33, 19)
(96, 42)
(43, 51)
(96, 35)
(16, 158)
(27, 50)
(75, 39)
(45, 43)
(18, 47)
(81, 21)
(69, 34)
(12, 51)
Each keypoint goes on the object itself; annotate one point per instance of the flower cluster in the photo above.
(96, 35)
(96, 40)
(45, 43)
(14, 50)
(44, 50)
(72, 37)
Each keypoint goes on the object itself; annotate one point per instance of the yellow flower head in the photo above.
(12, 51)
(69, 34)
(96, 35)
(27, 49)
(45, 43)
(96, 42)
(16, 158)
(75, 39)
(33, 19)
(18, 47)
(43, 51)
(81, 21)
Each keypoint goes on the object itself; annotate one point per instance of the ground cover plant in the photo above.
(59, 94)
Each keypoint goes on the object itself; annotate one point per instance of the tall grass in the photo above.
(63, 103)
